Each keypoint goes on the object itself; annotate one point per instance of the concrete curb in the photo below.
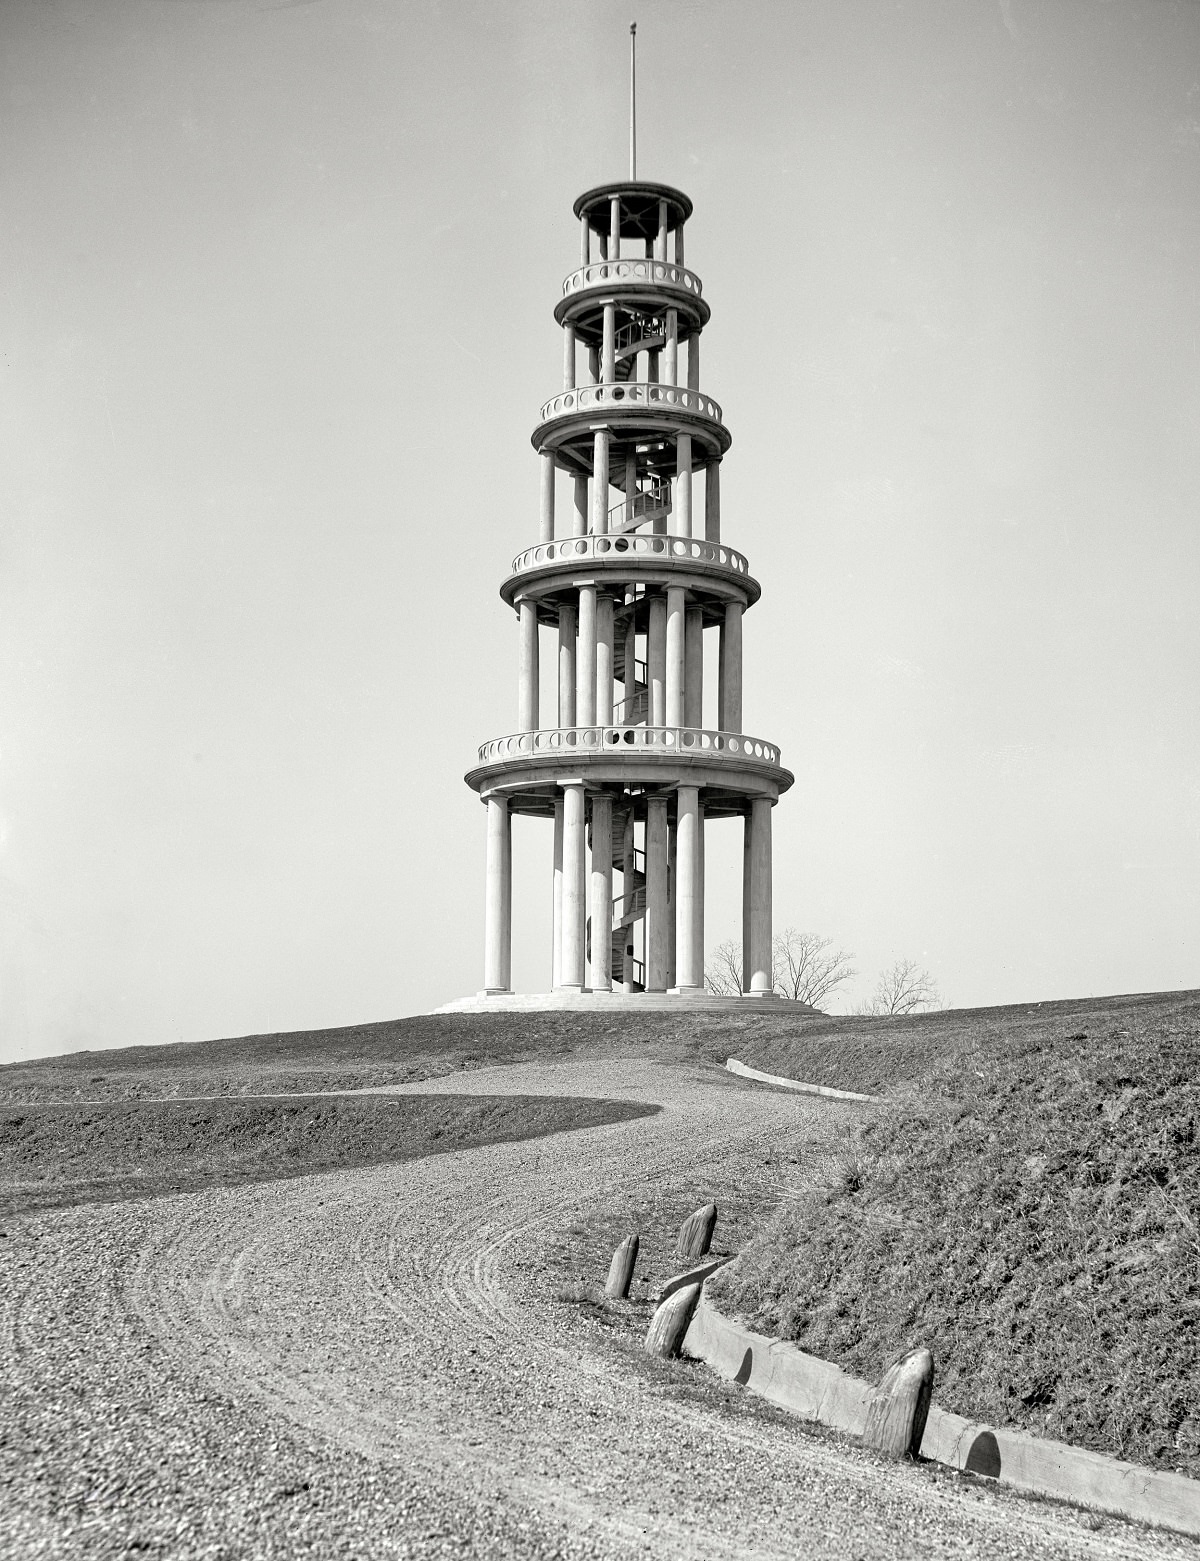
(743, 1072)
(817, 1390)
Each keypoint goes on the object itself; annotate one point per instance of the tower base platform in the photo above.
(607, 1002)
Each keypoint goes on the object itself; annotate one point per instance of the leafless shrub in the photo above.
(807, 968)
(723, 973)
(904, 989)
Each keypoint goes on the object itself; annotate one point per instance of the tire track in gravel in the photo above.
(394, 1375)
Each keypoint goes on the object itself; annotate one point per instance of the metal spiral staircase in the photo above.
(629, 907)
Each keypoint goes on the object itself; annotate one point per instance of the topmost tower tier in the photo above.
(635, 313)
(641, 209)
(631, 247)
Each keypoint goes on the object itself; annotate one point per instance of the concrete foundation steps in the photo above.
(605, 1002)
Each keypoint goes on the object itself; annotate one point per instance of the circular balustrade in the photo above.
(633, 393)
(571, 549)
(668, 741)
(649, 272)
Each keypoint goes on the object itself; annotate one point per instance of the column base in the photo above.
(685, 991)
(495, 991)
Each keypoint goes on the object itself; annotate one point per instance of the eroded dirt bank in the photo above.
(379, 1363)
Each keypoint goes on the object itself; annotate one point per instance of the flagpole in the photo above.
(633, 100)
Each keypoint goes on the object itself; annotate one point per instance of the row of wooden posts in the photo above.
(899, 1405)
(695, 1239)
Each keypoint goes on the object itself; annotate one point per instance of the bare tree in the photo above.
(807, 968)
(723, 973)
(904, 989)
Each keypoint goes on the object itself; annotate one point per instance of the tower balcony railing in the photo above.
(636, 393)
(663, 272)
(667, 742)
(620, 545)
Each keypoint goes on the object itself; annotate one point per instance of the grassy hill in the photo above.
(1027, 1203)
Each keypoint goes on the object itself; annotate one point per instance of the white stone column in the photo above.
(729, 677)
(497, 920)
(566, 664)
(602, 844)
(574, 900)
(546, 523)
(676, 603)
(656, 658)
(630, 489)
(568, 357)
(698, 923)
(604, 659)
(693, 368)
(656, 894)
(681, 514)
(689, 892)
(593, 365)
(672, 898)
(557, 896)
(579, 514)
(585, 241)
(670, 365)
(585, 658)
(747, 892)
(528, 693)
(600, 482)
(760, 899)
(628, 868)
(614, 228)
(608, 350)
(693, 667)
(712, 502)
(660, 240)
(679, 245)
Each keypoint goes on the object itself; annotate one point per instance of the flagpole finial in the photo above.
(633, 100)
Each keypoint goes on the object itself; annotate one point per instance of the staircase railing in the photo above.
(633, 712)
(649, 503)
(638, 330)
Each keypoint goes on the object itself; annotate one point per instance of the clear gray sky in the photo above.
(276, 323)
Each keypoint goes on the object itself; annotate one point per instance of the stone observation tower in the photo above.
(629, 591)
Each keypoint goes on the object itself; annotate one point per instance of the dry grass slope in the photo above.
(1030, 1208)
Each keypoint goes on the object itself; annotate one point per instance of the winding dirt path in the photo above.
(373, 1363)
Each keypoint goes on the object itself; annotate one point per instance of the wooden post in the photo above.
(899, 1406)
(696, 1233)
(670, 1322)
(620, 1271)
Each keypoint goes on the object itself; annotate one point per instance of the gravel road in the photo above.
(374, 1363)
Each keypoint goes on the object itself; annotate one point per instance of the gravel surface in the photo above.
(375, 1363)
